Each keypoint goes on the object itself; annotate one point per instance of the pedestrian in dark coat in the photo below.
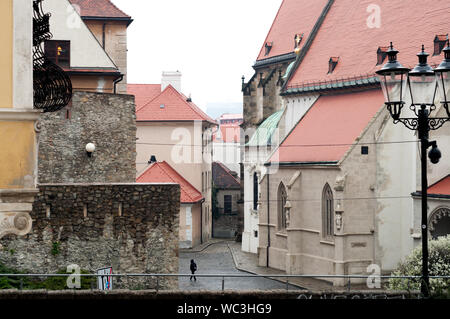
(193, 269)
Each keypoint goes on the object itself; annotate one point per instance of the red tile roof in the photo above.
(222, 177)
(293, 17)
(229, 133)
(329, 128)
(162, 172)
(171, 105)
(99, 9)
(442, 187)
(345, 33)
(143, 93)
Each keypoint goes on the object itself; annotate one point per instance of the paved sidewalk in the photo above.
(248, 262)
(202, 247)
(215, 258)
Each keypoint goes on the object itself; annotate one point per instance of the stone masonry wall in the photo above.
(131, 227)
(108, 121)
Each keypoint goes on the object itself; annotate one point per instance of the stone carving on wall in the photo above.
(15, 209)
(17, 223)
(339, 183)
(338, 220)
(288, 207)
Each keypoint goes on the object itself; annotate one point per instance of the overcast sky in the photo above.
(211, 42)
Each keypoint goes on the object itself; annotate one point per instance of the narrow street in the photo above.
(217, 259)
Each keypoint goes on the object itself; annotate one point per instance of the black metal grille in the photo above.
(52, 86)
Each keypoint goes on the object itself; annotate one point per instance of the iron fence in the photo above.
(288, 279)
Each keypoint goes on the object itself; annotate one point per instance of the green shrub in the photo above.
(438, 265)
(50, 283)
(55, 248)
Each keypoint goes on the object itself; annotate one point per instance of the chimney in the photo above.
(172, 78)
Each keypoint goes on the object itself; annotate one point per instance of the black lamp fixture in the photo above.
(393, 78)
(442, 73)
(422, 84)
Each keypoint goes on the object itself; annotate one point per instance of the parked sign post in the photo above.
(104, 282)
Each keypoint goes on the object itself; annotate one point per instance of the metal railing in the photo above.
(277, 277)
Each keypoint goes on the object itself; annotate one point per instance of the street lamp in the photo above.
(421, 84)
(443, 78)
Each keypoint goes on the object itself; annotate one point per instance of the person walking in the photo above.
(193, 269)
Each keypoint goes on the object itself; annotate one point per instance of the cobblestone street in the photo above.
(217, 259)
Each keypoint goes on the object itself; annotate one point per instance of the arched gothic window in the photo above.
(327, 212)
(255, 191)
(439, 222)
(282, 198)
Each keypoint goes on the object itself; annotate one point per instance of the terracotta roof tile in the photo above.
(222, 177)
(143, 93)
(99, 9)
(345, 116)
(345, 33)
(170, 105)
(442, 187)
(162, 172)
(229, 133)
(293, 17)
(232, 116)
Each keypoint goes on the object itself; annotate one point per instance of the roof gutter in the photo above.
(333, 86)
(334, 163)
(276, 59)
(202, 200)
(439, 196)
(94, 73)
(123, 19)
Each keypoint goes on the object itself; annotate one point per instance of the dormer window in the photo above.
(439, 43)
(162, 106)
(58, 52)
(381, 54)
(332, 64)
(268, 47)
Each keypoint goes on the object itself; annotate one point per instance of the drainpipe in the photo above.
(268, 218)
(103, 35)
(119, 79)
(201, 221)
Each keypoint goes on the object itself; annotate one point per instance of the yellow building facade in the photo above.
(18, 136)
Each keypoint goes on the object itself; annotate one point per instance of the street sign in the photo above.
(104, 282)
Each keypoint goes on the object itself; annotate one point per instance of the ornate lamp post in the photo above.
(421, 84)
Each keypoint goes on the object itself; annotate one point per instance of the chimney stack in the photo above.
(173, 78)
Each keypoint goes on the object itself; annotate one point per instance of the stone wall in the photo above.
(108, 121)
(131, 227)
(261, 94)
